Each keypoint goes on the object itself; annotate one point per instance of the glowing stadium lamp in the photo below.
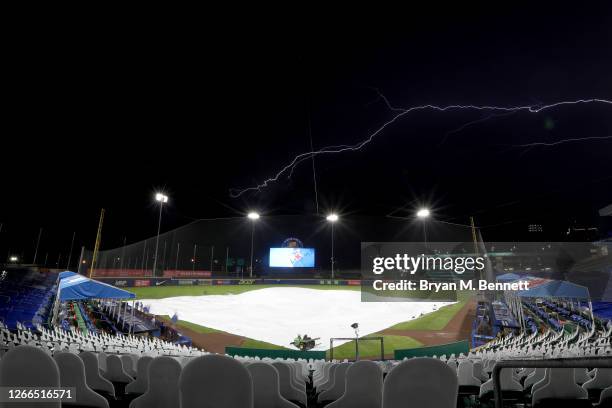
(423, 213)
(253, 216)
(332, 217)
(162, 198)
(13, 258)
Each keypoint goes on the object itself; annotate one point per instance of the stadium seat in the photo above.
(364, 382)
(601, 381)
(287, 389)
(420, 382)
(72, 374)
(581, 376)
(296, 381)
(215, 381)
(141, 383)
(330, 379)
(534, 378)
(92, 375)
(561, 390)
(29, 366)
(605, 399)
(266, 392)
(102, 356)
(115, 374)
(479, 371)
(337, 390)
(163, 375)
(511, 389)
(128, 365)
(468, 384)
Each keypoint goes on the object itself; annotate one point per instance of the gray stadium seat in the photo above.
(479, 371)
(29, 366)
(337, 390)
(215, 381)
(364, 383)
(601, 381)
(330, 379)
(605, 399)
(72, 374)
(533, 378)
(163, 384)
(507, 383)
(266, 392)
(287, 389)
(92, 374)
(561, 386)
(115, 372)
(102, 356)
(128, 365)
(140, 385)
(420, 382)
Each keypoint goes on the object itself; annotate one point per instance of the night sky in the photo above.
(104, 118)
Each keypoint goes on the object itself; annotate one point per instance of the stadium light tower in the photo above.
(253, 216)
(332, 218)
(423, 214)
(162, 199)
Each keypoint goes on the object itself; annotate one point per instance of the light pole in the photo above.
(162, 199)
(253, 216)
(423, 214)
(332, 218)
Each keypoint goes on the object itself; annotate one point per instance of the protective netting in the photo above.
(222, 247)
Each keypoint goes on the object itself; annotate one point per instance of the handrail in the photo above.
(583, 362)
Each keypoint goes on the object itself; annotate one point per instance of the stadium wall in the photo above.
(446, 349)
(144, 282)
(263, 353)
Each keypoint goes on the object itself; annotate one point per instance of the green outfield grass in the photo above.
(371, 349)
(432, 321)
(159, 292)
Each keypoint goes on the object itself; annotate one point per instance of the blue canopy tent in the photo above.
(65, 274)
(73, 286)
(508, 277)
(78, 287)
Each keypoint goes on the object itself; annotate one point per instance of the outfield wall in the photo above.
(456, 348)
(285, 354)
(130, 282)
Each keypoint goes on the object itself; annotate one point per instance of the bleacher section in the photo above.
(26, 297)
(131, 371)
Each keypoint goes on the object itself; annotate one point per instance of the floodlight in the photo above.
(161, 198)
(423, 213)
(253, 216)
(332, 217)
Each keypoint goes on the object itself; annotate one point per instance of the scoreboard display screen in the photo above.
(292, 257)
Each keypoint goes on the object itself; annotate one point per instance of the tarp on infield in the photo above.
(79, 287)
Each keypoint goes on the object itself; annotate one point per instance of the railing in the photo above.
(584, 362)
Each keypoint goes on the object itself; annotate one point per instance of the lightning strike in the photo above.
(399, 114)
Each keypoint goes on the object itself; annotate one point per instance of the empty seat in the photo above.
(468, 384)
(92, 374)
(420, 382)
(72, 374)
(163, 384)
(561, 387)
(601, 381)
(29, 366)
(533, 378)
(479, 371)
(266, 391)
(510, 387)
(605, 399)
(128, 365)
(215, 381)
(364, 382)
(330, 379)
(287, 389)
(141, 383)
(116, 374)
(337, 390)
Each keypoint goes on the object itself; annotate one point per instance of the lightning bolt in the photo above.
(399, 113)
(558, 142)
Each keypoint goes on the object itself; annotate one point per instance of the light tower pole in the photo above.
(162, 199)
(253, 216)
(332, 218)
